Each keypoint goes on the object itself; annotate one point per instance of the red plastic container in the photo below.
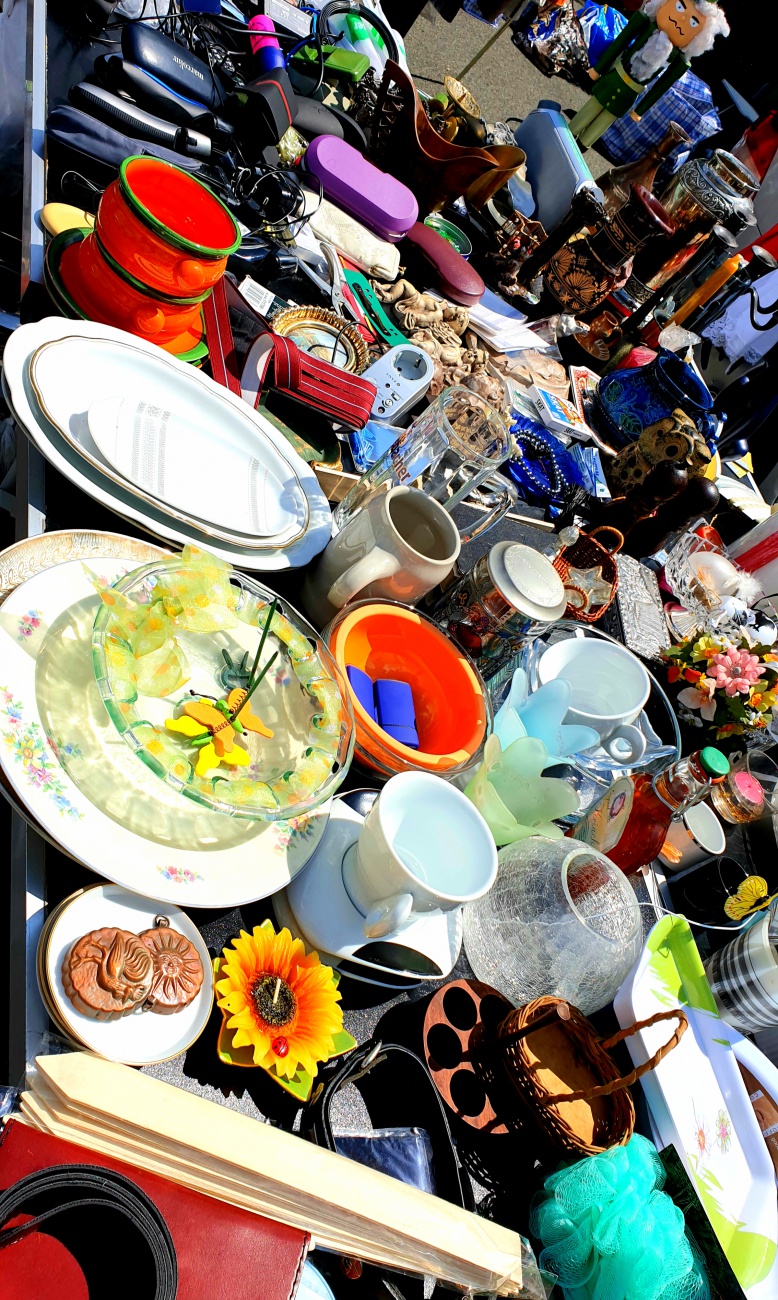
(166, 228)
(104, 296)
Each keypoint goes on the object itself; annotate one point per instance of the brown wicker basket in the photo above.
(586, 553)
(569, 1086)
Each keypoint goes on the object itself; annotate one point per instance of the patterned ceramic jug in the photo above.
(628, 401)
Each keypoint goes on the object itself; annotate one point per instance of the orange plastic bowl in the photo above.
(453, 712)
(166, 228)
(104, 296)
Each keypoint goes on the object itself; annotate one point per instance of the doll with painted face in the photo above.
(663, 34)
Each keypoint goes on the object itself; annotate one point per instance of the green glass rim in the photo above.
(146, 289)
(159, 228)
(51, 268)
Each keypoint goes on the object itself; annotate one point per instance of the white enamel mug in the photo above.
(609, 689)
(423, 848)
(400, 546)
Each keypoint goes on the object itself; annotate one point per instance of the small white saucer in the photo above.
(143, 1037)
(316, 908)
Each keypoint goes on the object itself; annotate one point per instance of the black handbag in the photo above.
(401, 1095)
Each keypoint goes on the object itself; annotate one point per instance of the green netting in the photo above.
(610, 1233)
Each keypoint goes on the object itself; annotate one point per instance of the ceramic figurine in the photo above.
(661, 37)
(675, 440)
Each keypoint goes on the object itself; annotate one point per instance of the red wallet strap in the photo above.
(218, 334)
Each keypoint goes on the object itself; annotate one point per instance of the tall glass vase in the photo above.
(582, 273)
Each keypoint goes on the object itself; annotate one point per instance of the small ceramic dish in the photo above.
(296, 739)
(143, 1037)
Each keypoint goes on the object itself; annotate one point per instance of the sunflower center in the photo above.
(274, 1000)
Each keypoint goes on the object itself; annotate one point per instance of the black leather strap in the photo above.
(403, 1095)
(111, 1227)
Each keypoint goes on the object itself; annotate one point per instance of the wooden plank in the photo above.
(336, 1196)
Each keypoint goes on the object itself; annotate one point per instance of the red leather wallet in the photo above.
(224, 1253)
(276, 362)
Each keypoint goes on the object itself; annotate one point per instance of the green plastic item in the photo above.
(714, 762)
(377, 318)
(608, 1229)
(338, 63)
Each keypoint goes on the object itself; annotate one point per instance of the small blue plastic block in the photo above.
(403, 735)
(394, 704)
(362, 686)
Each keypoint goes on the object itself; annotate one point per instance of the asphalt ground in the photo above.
(504, 82)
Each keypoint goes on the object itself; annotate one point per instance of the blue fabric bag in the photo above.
(600, 24)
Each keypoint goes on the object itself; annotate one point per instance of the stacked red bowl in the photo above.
(160, 243)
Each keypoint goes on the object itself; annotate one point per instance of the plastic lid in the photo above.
(527, 580)
(714, 762)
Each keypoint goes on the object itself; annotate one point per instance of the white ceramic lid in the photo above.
(702, 822)
(528, 581)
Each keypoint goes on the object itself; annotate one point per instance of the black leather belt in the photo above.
(111, 1227)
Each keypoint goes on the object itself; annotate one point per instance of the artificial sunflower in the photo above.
(281, 1002)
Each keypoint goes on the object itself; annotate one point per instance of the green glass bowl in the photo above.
(303, 699)
(451, 233)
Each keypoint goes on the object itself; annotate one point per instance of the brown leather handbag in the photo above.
(405, 144)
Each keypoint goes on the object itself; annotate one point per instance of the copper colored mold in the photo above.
(462, 1019)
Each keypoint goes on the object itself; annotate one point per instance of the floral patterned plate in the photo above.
(698, 1102)
(143, 1037)
(67, 765)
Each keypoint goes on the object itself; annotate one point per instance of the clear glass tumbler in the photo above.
(455, 446)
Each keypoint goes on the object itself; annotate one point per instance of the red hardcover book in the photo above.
(224, 1253)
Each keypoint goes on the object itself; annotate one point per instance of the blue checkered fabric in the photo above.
(689, 102)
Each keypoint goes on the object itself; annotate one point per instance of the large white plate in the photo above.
(73, 378)
(86, 476)
(699, 1104)
(68, 765)
(143, 1037)
(171, 453)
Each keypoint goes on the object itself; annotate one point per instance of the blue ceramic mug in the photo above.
(628, 401)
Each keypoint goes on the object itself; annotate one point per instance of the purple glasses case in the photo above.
(379, 201)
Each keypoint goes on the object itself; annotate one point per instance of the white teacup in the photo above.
(609, 689)
(398, 548)
(423, 848)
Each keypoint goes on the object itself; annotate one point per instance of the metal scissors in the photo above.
(337, 289)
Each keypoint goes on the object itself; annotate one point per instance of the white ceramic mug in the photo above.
(423, 848)
(697, 836)
(398, 548)
(609, 689)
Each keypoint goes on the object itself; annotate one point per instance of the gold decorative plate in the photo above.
(323, 333)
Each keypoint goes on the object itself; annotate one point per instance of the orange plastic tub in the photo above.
(453, 712)
(104, 296)
(166, 228)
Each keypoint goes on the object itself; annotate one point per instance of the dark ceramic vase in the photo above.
(628, 401)
(582, 274)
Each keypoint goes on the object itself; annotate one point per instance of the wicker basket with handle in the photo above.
(569, 1086)
(586, 553)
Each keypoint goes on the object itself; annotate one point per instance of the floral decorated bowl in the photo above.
(223, 691)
